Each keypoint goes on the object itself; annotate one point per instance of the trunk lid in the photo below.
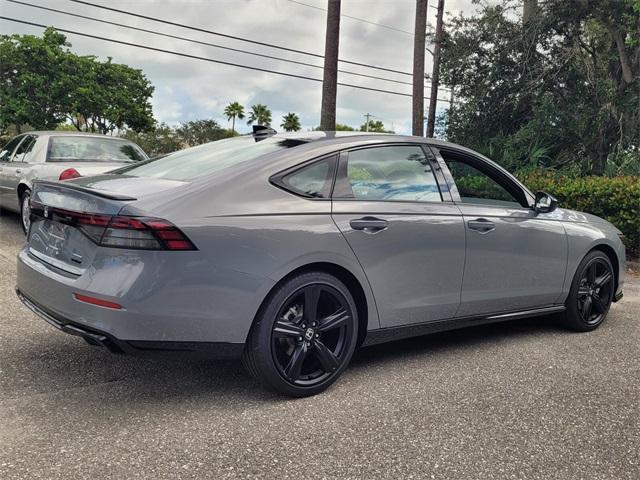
(91, 168)
(68, 218)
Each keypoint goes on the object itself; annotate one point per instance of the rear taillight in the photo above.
(140, 233)
(144, 233)
(68, 174)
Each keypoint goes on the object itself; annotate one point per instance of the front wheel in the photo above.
(25, 211)
(304, 336)
(591, 293)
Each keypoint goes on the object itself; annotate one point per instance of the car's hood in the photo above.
(582, 217)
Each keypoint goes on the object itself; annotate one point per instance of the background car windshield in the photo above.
(92, 149)
(208, 158)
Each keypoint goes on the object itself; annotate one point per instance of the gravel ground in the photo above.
(524, 399)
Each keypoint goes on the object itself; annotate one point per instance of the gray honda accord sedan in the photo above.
(293, 250)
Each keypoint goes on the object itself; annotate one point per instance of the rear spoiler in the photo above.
(92, 191)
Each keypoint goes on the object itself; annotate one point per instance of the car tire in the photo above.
(296, 349)
(25, 210)
(591, 293)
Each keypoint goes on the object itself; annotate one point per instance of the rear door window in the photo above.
(7, 151)
(23, 152)
(390, 173)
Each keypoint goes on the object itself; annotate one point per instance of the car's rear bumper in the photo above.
(115, 345)
(165, 299)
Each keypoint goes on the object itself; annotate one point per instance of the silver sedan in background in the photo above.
(293, 250)
(57, 155)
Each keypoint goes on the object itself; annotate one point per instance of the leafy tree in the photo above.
(375, 126)
(291, 122)
(340, 127)
(197, 132)
(260, 115)
(562, 90)
(158, 141)
(232, 111)
(43, 83)
(33, 80)
(109, 96)
(65, 127)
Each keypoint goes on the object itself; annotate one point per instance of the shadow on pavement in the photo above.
(55, 362)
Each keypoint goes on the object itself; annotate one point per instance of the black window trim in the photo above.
(341, 177)
(277, 179)
(483, 166)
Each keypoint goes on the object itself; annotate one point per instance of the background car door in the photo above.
(14, 170)
(6, 155)
(409, 241)
(515, 258)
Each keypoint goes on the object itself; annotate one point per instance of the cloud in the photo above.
(187, 89)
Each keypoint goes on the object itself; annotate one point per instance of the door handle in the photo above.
(369, 224)
(481, 225)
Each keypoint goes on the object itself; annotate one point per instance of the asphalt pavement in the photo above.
(522, 400)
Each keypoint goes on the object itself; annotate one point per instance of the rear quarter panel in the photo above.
(242, 223)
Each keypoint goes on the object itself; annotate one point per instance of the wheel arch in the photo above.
(22, 187)
(345, 276)
(613, 258)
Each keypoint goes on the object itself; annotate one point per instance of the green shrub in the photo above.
(616, 199)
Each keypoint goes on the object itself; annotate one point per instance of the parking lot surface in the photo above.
(524, 399)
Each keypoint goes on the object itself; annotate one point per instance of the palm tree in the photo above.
(260, 115)
(233, 110)
(291, 122)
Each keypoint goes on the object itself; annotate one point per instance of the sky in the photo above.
(188, 89)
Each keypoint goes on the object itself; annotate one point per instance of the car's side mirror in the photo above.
(545, 203)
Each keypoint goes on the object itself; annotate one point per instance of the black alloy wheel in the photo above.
(591, 292)
(311, 334)
(595, 291)
(305, 336)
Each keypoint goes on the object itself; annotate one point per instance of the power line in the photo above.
(196, 57)
(396, 29)
(177, 37)
(225, 35)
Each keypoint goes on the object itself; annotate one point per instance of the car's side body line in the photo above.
(384, 335)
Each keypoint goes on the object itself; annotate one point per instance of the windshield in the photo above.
(193, 162)
(78, 148)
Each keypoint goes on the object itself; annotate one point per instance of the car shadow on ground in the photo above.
(56, 362)
(475, 336)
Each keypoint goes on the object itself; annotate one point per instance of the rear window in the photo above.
(92, 149)
(193, 162)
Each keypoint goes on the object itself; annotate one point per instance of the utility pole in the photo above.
(330, 75)
(529, 10)
(366, 125)
(435, 76)
(419, 38)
